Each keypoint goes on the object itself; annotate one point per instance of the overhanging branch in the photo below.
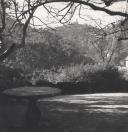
(91, 5)
(94, 7)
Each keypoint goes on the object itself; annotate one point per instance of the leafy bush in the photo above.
(92, 78)
(62, 74)
(10, 78)
(103, 78)
(80, 78)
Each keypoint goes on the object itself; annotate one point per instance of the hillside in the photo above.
(80, 35)
(44, 49)
(85, 37)
(66, 45)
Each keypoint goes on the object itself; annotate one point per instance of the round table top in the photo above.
(36, 92)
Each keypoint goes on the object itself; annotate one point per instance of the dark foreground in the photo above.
(73, 113)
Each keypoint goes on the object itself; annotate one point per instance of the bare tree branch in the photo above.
(24, 13)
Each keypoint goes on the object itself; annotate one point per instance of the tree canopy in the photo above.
(22, 13)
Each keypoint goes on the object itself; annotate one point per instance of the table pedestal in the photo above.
(33, 116)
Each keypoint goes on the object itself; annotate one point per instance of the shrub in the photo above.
(92, 78)
(62, 74)
(72, 73)
(81, 78)
(10, 78)
(104, 78)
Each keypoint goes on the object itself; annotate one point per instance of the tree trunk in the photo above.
(7, 52)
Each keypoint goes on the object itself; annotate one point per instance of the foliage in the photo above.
(45, 50)
(71, 79)
(83, 79)
(10, 78)
(80, 35)
(72, 43)
(90, 42)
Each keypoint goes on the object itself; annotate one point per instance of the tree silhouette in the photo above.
(23, 14)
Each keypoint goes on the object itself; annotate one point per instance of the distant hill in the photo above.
(53, 51)
(80, 35)
(68, 44)
(45, 49)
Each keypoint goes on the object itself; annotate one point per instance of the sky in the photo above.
(94, 18)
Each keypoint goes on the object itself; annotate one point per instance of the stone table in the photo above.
(32, 94)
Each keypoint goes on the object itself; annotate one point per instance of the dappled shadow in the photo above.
(70, 113)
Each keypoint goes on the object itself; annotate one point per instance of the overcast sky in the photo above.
(91, 17)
